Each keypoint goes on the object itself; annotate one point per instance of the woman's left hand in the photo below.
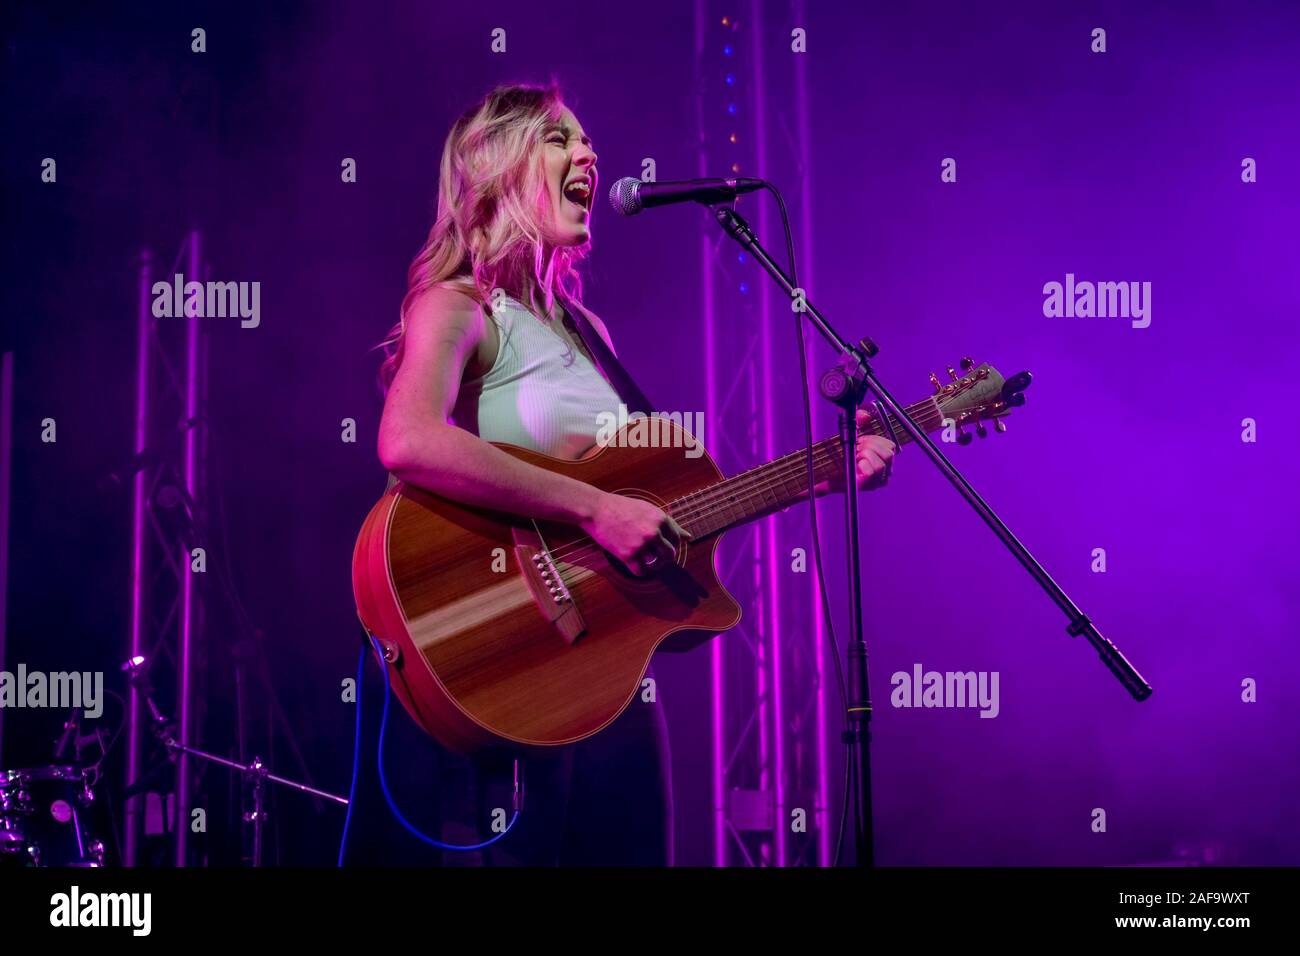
(875, 457)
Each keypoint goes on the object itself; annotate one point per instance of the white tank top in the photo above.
(541, 393)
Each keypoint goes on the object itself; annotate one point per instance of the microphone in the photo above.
(629, 195)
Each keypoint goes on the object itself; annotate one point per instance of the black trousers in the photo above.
(605, 801)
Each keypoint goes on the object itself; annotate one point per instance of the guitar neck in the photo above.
(778, 484)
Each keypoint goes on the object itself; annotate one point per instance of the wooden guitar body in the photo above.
(457, 593)
(503, 632)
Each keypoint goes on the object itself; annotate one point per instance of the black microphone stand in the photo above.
(846, 385)
(255, 775)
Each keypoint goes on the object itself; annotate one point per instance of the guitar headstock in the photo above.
(979, 394)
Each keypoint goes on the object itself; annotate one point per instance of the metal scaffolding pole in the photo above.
(770, 771)
(169, 485)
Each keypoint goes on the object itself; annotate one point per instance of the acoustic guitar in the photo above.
(500, 631)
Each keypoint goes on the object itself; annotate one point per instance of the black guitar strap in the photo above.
(608, 364)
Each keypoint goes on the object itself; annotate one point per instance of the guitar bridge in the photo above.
(550, 592)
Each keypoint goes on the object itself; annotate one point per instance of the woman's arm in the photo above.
(444, 329)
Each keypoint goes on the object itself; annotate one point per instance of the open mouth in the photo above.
(578, 192)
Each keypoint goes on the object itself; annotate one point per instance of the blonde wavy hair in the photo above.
(493, 210)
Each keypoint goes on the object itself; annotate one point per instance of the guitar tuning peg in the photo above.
(999, 425)
(952, 373)
(967, 364)
(981, 430)
(964, 437)
(934, 380)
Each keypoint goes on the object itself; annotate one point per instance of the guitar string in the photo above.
(774, 473)
(777, 472)
(709, 506)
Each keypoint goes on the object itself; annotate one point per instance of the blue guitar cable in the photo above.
(383, 780)
(356, 759)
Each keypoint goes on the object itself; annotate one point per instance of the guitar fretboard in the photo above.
(778, 484)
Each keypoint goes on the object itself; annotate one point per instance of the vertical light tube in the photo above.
(6, 469)
(185, 653)
(717, 761)
(803, 140)
(133, 815)
(775, 753)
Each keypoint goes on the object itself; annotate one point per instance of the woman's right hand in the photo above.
(636, 532)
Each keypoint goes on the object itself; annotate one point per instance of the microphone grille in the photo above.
(625, 196)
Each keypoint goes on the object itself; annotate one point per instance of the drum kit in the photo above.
(45, 817)
(47, 814)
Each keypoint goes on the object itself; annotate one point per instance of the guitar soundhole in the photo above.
(656, 571)
(659, 571)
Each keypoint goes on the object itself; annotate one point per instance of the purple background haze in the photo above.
(1122, 166)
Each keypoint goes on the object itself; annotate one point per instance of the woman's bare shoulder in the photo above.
(441, 303)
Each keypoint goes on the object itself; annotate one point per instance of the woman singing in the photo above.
(486, 351)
